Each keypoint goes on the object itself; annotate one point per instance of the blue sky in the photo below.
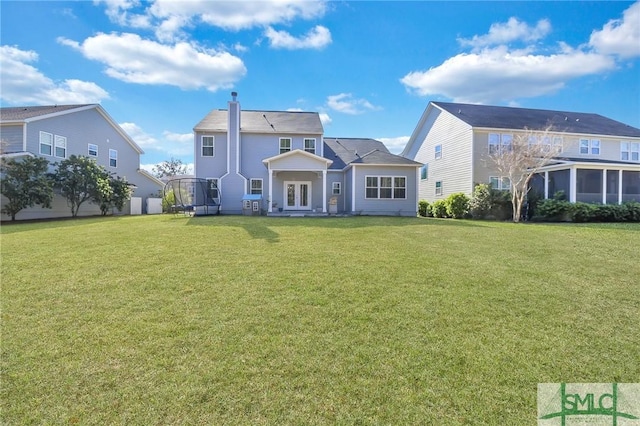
(369, 67)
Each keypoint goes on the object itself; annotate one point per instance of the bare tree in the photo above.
(520, 158)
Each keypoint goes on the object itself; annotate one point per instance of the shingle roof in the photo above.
(518, 118)
(264, 122)
(345, 151)
(24, 113)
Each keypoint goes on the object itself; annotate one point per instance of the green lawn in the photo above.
(254, 320)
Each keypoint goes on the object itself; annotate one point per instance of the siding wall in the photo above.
(11, 137)
(454, 169)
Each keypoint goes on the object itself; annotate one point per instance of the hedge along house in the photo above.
(598, 158)
(282, 160)
(59, 131)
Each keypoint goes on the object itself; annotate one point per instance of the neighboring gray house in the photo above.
(56, 132)
(598, 159)
(284, 160)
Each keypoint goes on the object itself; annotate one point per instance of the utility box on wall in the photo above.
(333, 205)
(252, 205)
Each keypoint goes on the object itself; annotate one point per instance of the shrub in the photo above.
(489, 203)
(554, 210)
(457, 205)
(423, 208)
(583, 212)
(632, 211)
(439, 208)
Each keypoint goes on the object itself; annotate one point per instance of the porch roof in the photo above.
(291, 160)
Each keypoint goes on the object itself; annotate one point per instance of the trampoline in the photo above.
(192, 196)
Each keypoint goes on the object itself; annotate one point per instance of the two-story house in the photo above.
(59, 131)
(598, 158)
(283, 159)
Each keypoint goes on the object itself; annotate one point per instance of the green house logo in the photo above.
(592, 404)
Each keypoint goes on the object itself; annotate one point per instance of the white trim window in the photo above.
(424, 172)
(60, 146)
(558, 144)
(590, 146)
(501, 183)
(255, 187)
(385, 187)
(92, 150)
(438, 152)
(500, 142)
(212, 187)
(113, 158)
(310, 145)
(207, 146)
(46, 143)
(629, 151)
(335, 188)
(438, 187)
(285, 145)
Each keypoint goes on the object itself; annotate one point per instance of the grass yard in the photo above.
(255, 320)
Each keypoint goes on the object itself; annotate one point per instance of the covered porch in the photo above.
(297, 183)
(596, 181)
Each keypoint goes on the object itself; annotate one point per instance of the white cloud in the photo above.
(395, 145)
(620, 36)
(171, 143)
(149, 167)
(346, 103)
(22, 83)
(325, 119)
(132, 59)
(316, 38)
(495, 75)
(512, 30)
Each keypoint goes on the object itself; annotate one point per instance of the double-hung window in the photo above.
(424, 172)
(208, 146)
(212, 188)
(285, 145)
(310, 145)
(256, 187)
(386, 187)
(500, 183)
(500, 142)
(590, 146)
(92, 150)
(335, 188)
(439, 187)
(371, 189)
(46, 143)
(438, 152)
(630, 151)
(113, 158)
(60, 146)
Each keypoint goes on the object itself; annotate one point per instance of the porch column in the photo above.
(573, 177)
(324, 191)
(604, 186)
(270, 208)
(546, 185)
(620, 172)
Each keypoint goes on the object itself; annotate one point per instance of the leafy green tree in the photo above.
(114, 192)
(170, 168)
(81, 179)
(25, 183)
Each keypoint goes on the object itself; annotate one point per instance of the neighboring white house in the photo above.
(283, 161)
(56, 132)
(598, 159)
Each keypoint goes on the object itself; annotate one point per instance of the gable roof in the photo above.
(348, 151)
(264, 122)
(16, 115)
(498, 117)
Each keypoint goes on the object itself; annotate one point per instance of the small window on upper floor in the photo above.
(113, 158)
(285, 145)
(310, 145)
(92, 150)
(590, 146)
(208, 146)
(629, 151)
(61, 146)
(438, 152)
(46, 143)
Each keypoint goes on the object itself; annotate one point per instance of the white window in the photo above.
(557, 144)
(310, 145)
(335, 188)
(61, 146)
(500, 183)
(505, 143)
(439, 187)
(285, 145)
(93, 150)
(385, 187)
(590, 146)
(113, 158)
(494, 143)
(208, 146)
(212, 187)
(630, 151)
(256, 187)
(424, 172)
(46, 143)
(438, 154)
(500, 142)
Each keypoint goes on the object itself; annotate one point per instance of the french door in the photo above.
(297, 195)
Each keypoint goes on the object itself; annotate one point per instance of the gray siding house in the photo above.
(56, 132)
(283, 159)
(598, 158)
